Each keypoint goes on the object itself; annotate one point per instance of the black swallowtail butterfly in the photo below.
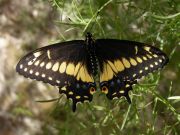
(72, 66)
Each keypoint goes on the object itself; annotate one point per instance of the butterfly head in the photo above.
(89, 39)
(88, 35)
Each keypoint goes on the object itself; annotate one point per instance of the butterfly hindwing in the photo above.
(123, 62)
(63, 65)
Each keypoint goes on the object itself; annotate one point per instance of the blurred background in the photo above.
(30, 24)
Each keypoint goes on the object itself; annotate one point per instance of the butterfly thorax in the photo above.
(92, 58)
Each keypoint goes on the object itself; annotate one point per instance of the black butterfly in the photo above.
(73, 65)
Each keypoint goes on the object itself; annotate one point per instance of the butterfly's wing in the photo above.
(123, 62)
(63, 65)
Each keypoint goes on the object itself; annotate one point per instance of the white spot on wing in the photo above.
(156, 63)
(36, 63)
(155, 55)
(57, 81)
(48, 54)
(50, 78)
(42, 64)
(31, 71)
(140, 71)
(48, 65)
(31, 61)
(55, 67)
(151, 66)
(21, 66)
(146, 68)
(37, 54)
(25, 69)
(160, 60)
(43, 75)
(37, 73)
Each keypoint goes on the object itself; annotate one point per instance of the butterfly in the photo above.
(72, 66)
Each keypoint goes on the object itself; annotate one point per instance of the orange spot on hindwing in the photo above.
(104, 89)
(92, 90)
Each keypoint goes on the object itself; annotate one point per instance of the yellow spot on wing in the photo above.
(104, 75)
(155, 55)
(112, 66)
(149, 56)
(62, 67)
(70, 93)
(70, 69)
(78, 97)
(136, 49)
(147, 48)
(127, 85)
(84, 75)
(139, 59)
(63, 88)
(144, 58)
(107, 73)
(119, 66)
(77, 68)
(133, 62)
(126, 63)
(121, 91)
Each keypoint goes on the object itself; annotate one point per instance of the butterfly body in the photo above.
(73, 65)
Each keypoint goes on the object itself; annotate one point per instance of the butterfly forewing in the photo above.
(123, 62)
(63, 65)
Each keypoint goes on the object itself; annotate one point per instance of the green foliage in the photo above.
(22, 111)
(151, 112)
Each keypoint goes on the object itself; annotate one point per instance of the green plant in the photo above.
(151, 112)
